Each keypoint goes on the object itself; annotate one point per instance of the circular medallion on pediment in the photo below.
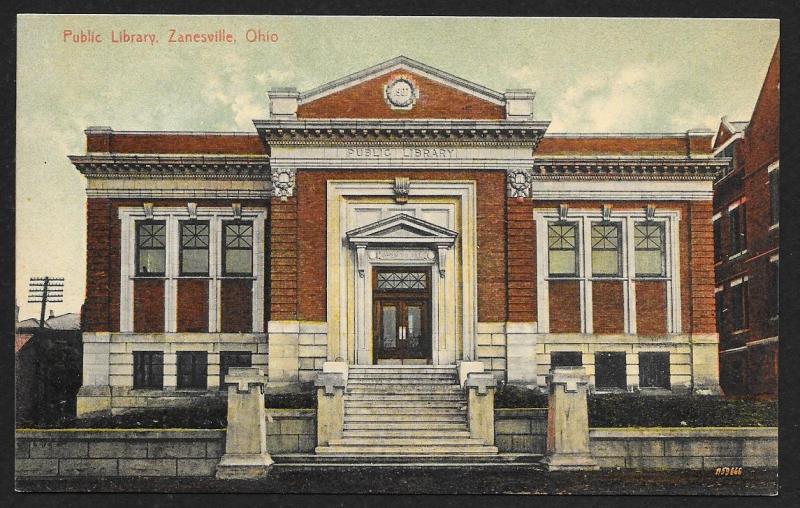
(401, 93)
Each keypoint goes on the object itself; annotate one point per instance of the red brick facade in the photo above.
(192, 305)
(521, 232)
(565, 306)
(102, 308)
(651, 307)
(749, 355)
(148, 306)
(608, 307)
(236, 306)
(366, 100)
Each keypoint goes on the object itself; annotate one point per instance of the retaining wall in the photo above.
(684, 448)
(291, 431)
(112, 452)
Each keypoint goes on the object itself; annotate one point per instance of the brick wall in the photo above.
(608, 307)
(283, 259)
(521, 232)
(651, 307)
(102, 304)
(236, 305)
(701, 262)
(366, 100)
(192, 305)
(148, 305)
(311, 238)
(565, 306)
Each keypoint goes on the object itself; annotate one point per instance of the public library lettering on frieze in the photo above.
(398, 216)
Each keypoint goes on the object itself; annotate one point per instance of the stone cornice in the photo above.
(167, 166)
(628, 168)
(407, 132)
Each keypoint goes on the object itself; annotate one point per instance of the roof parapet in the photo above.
(283, 103)
(519, 103)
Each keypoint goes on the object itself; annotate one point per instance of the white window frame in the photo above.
(173, 216)
(775, 166)
(585, 217)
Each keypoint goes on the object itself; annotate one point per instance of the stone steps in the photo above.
(406, 451)
(383, 433)
(402, 411)
(405, 412)
(442, 427)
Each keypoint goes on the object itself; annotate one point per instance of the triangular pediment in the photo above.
(433, 93)
(401, 227)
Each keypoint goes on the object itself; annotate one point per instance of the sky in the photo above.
(589, 74)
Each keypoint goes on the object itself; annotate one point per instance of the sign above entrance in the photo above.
(379, 152)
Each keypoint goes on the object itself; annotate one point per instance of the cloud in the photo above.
(525, 77)
(635, 98)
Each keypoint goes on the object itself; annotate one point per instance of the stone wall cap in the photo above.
(682, 432)
(118, 434)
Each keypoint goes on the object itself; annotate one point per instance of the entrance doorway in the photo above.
(401, 315)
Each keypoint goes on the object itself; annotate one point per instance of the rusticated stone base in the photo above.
(244, 467)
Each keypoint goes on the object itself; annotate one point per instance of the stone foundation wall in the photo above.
(112, 452)
(520, 430)
(491, 348)
(685, 448)
(683, 361)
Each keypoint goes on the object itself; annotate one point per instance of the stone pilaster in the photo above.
(480, 388)
(568, 421)
(246, 455)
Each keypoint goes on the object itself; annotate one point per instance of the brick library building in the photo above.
(403, 218)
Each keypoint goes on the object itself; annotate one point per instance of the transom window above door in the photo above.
(402, 280)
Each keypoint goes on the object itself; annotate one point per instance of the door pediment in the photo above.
(402, 228)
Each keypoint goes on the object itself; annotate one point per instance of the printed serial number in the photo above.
(728, 471)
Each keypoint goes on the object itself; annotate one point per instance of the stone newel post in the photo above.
(330, 383)
(246, 455)
(480, 388)
(568, 421)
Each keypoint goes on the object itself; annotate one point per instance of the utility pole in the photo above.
(43, 290)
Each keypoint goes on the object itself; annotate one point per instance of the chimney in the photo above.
(519, 104)
(283, 103)
(52, 314)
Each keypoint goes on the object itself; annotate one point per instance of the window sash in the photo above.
(739, 307)
(610, 370)
(198, 237)
(240, 246)
(148, 369)
(560, 252)
(606, 245)
(738, 229)
(774, 196)
(654, 370)
(644, 243)
(192, 369)
(153, 238)
(566, 359)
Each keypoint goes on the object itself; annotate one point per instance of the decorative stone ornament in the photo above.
(401, 93)
(283, 182)
(402, 185)
(650, 212)
(192, 208)
(563, 209)
(519, 183)
(148, 210)
(606, 211)
(237, 210)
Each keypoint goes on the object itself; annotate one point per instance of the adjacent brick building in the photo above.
(398, 215)
(746, 229)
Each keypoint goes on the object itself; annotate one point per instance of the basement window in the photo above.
(148, 370)
(609, 371)
(566, 359)
(192, 369)
(654, 370)
(229, 359)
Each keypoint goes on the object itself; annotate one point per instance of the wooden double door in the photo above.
(401, 315)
